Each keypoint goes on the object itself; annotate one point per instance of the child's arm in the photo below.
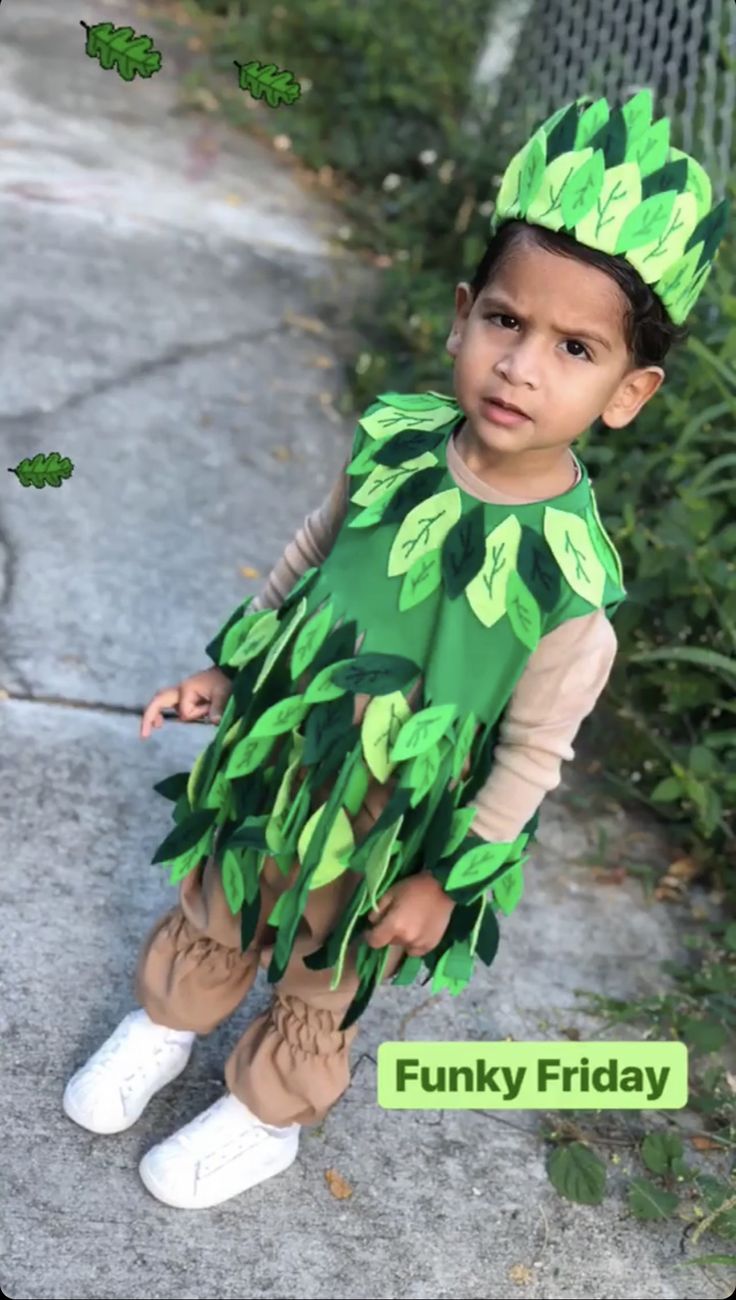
(560, 686)
(310, 545)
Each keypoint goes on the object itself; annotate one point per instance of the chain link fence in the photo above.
(541, 54)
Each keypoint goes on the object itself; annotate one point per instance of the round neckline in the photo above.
(573, 495)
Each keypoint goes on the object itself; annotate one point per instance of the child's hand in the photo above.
(414, 913)
(204, 693)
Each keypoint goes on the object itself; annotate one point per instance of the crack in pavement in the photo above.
(96, 706)
(141, 369)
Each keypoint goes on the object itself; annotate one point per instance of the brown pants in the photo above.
(292, 1063)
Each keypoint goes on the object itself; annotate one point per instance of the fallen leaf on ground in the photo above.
(705, 1144)
(309, 323)
(337, 1185)
(684, 869)
(281, 453)
(570, 1032)
(248, 571)
(609, 875)
(521, 1274)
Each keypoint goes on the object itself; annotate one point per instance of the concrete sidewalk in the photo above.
(144, 336)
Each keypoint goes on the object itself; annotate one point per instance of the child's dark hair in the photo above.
(648, 330)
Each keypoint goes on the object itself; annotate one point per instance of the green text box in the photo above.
(532, 1076)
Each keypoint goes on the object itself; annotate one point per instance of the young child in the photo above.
(395, 707)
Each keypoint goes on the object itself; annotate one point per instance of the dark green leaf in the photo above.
(538, 569)
(463, 552)
(417, 488)
(649, 1202)
(577, 1174)
(376, 674)
(186, 835)
(173, 786)
(325, 725)
(407, 446)
(340, 644)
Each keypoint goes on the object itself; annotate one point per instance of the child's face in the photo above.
(510, 349)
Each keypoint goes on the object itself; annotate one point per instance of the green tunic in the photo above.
(449, 592)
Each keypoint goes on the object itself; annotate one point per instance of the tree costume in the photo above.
(451, 596)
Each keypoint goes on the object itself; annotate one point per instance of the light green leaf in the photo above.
(546, 202)
(355, 790)
(523, 610)
(454, 969)
(620, 193)
(463, 745)
(486, 593)
(388, 419)
(424, 577)
(477, 865)
(379, 859)
(508, 889)
(280, 717)
(292, 623)
(247, 755)
(386, 478)
(424, 529)
(239, 631)
(421, 774)
(322, 687)
(422, 731)
(569, 540)
(232, 880)
(256, 640)
(461, 821)
(310, 639)
(382, 723)
(338, 844)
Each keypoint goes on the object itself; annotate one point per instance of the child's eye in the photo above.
(502, 316)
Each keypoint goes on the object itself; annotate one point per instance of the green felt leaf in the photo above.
(219, 796)
(258, 636)
(412, 402)
(181, 809)
(173, 786)
(524, 613)
(488, 938)
(288, 628)
(322, 687)
(356, 789)
(537, 568)
(340, 842)
(280, 717)
(453, 969)
(508, 889)
(277, 912)
(385, 479)
(381, 725)
(310, 639)
(390, 419)
(420, 487)
(581, 189)
(620, 192)
(251, 833)
(464, 551)
(421, 774)
(375, 674)
(247, 755)
(461, 821)
(410, 968)
(379, 860)
(232, 881)
(423, 530)
(325, 725)
(477, 864)
(546, 200)
(236, 635)
(406, 448)
(301, 587)
(185, 836)
(486, 592)
(187, 862)
(364, 462)
(464, 744)
(569, 540)
(648, 221)
(424, 577)
(283, 796)
(618, 574)
(194, 776)
(368, 518)
(422, 731)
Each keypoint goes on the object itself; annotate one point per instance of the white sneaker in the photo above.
(220, 1154)
(110, 1092)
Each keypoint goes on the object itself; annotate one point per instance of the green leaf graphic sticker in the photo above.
(119, 46)
(43, 471)
(261, 79)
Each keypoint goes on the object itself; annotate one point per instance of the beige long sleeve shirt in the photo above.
(559, 687)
